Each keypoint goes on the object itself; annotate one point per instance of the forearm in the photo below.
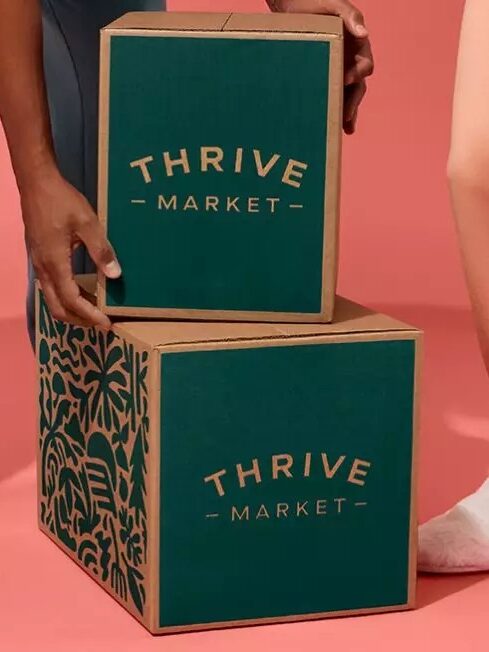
(23, 103)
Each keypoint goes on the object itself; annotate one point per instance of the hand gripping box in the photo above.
(219, 165)
(215, 475)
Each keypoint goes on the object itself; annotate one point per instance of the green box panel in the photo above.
(228, 407)
(170, 93)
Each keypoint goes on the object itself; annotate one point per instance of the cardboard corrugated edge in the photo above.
(103, 146)
(409, 334)
(170, 21)
(229, 24)
(154, 393)
(211, 315)
(284, 340)
(285, 22)
(279, 620)
(413, 548)
(248, 22)
(332, 192)
(125, 331)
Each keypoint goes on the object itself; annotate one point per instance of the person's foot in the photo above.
(457, 541)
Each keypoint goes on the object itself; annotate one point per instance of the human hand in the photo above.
(58, 219)
(359, 63)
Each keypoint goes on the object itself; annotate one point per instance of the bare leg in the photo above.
(458, 541)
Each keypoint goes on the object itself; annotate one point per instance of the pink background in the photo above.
(399, 254)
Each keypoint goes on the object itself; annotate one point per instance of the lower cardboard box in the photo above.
(212, 475)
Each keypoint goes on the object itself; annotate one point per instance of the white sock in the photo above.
(457, 541)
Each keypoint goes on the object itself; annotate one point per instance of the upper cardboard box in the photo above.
(213, 86)
(272, 22)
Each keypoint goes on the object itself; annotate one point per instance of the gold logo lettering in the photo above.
(356, 471)
(282, 464)
(331, 472)
(245, 514)
(254, 472)
(216, 478)
(211, 156)
(170, 163)
(142, 164)
(261, 169)
(293, 170)
(167, 205)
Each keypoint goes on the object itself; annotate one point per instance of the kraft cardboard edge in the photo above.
(289, 35)
(331, 226)
(103, 144)
(332, 188)
(214, 21)
(180, 629)
(196, 314)
(155, 438)
(278, 338)
(279, 21)
(305, 340)
(170, 20)
(413, 548)
(158, 542)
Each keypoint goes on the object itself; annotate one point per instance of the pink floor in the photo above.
(47, 603)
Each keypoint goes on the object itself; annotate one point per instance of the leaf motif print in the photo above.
(93, 449)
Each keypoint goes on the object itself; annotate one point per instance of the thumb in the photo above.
(99, 248)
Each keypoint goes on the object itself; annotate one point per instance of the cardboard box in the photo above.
(220, 142)
(214, 475)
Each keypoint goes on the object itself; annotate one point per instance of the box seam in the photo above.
(281, 336)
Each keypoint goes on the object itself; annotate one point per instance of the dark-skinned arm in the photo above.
(57, 218)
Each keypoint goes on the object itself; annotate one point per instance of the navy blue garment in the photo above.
(71, 64)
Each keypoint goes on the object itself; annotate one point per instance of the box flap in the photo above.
(279, 22)
(269, 22)
(350, 318)
(168, 20)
